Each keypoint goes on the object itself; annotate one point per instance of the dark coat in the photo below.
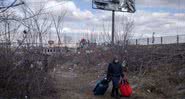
(115, 70)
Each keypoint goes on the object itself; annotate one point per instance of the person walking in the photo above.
(114, 74)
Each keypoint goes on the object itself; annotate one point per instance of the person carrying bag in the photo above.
(114, 74)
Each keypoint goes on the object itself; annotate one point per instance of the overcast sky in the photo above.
(164, 17)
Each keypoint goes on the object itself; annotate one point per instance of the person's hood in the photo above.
(115, 62)
(114, 59)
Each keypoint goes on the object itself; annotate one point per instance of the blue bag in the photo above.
(101, 87)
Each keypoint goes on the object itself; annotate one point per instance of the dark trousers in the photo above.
(115, 83)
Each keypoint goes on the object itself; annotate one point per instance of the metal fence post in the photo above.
(161, 40)
(148, 41)
(177, 39)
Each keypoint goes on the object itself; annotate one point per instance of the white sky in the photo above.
(164, 17)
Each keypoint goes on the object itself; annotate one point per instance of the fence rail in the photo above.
(158, 40)
(141, 41)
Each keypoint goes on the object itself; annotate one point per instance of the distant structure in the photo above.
(51, 43)
(52, 48)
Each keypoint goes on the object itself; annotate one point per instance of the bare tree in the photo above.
(58, 25)
(8, 28)
(23, 74)
(37, 26)
(105, 35)
(123, 34)
(124, 28)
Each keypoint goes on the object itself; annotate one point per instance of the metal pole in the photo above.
(113, 25)
(161, 40)
(148, 41)
(177, 39)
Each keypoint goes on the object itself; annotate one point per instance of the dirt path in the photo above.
(75, 85)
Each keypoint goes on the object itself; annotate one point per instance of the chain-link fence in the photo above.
(158, 40)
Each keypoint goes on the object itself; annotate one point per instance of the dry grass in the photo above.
(158, 79)
(23, 75)
(153, 73)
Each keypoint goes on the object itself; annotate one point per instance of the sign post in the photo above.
(114, 5)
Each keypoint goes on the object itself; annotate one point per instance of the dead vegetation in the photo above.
(155, 72)
(24, 75)
(24, 69)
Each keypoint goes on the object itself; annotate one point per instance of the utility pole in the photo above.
(113, 26)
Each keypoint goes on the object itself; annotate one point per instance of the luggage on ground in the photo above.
(125, 88)
(101, 87)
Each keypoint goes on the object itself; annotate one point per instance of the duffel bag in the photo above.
(125, 88)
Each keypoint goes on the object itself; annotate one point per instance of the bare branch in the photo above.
(13, 4)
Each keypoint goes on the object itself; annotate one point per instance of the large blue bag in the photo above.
(101, 87)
